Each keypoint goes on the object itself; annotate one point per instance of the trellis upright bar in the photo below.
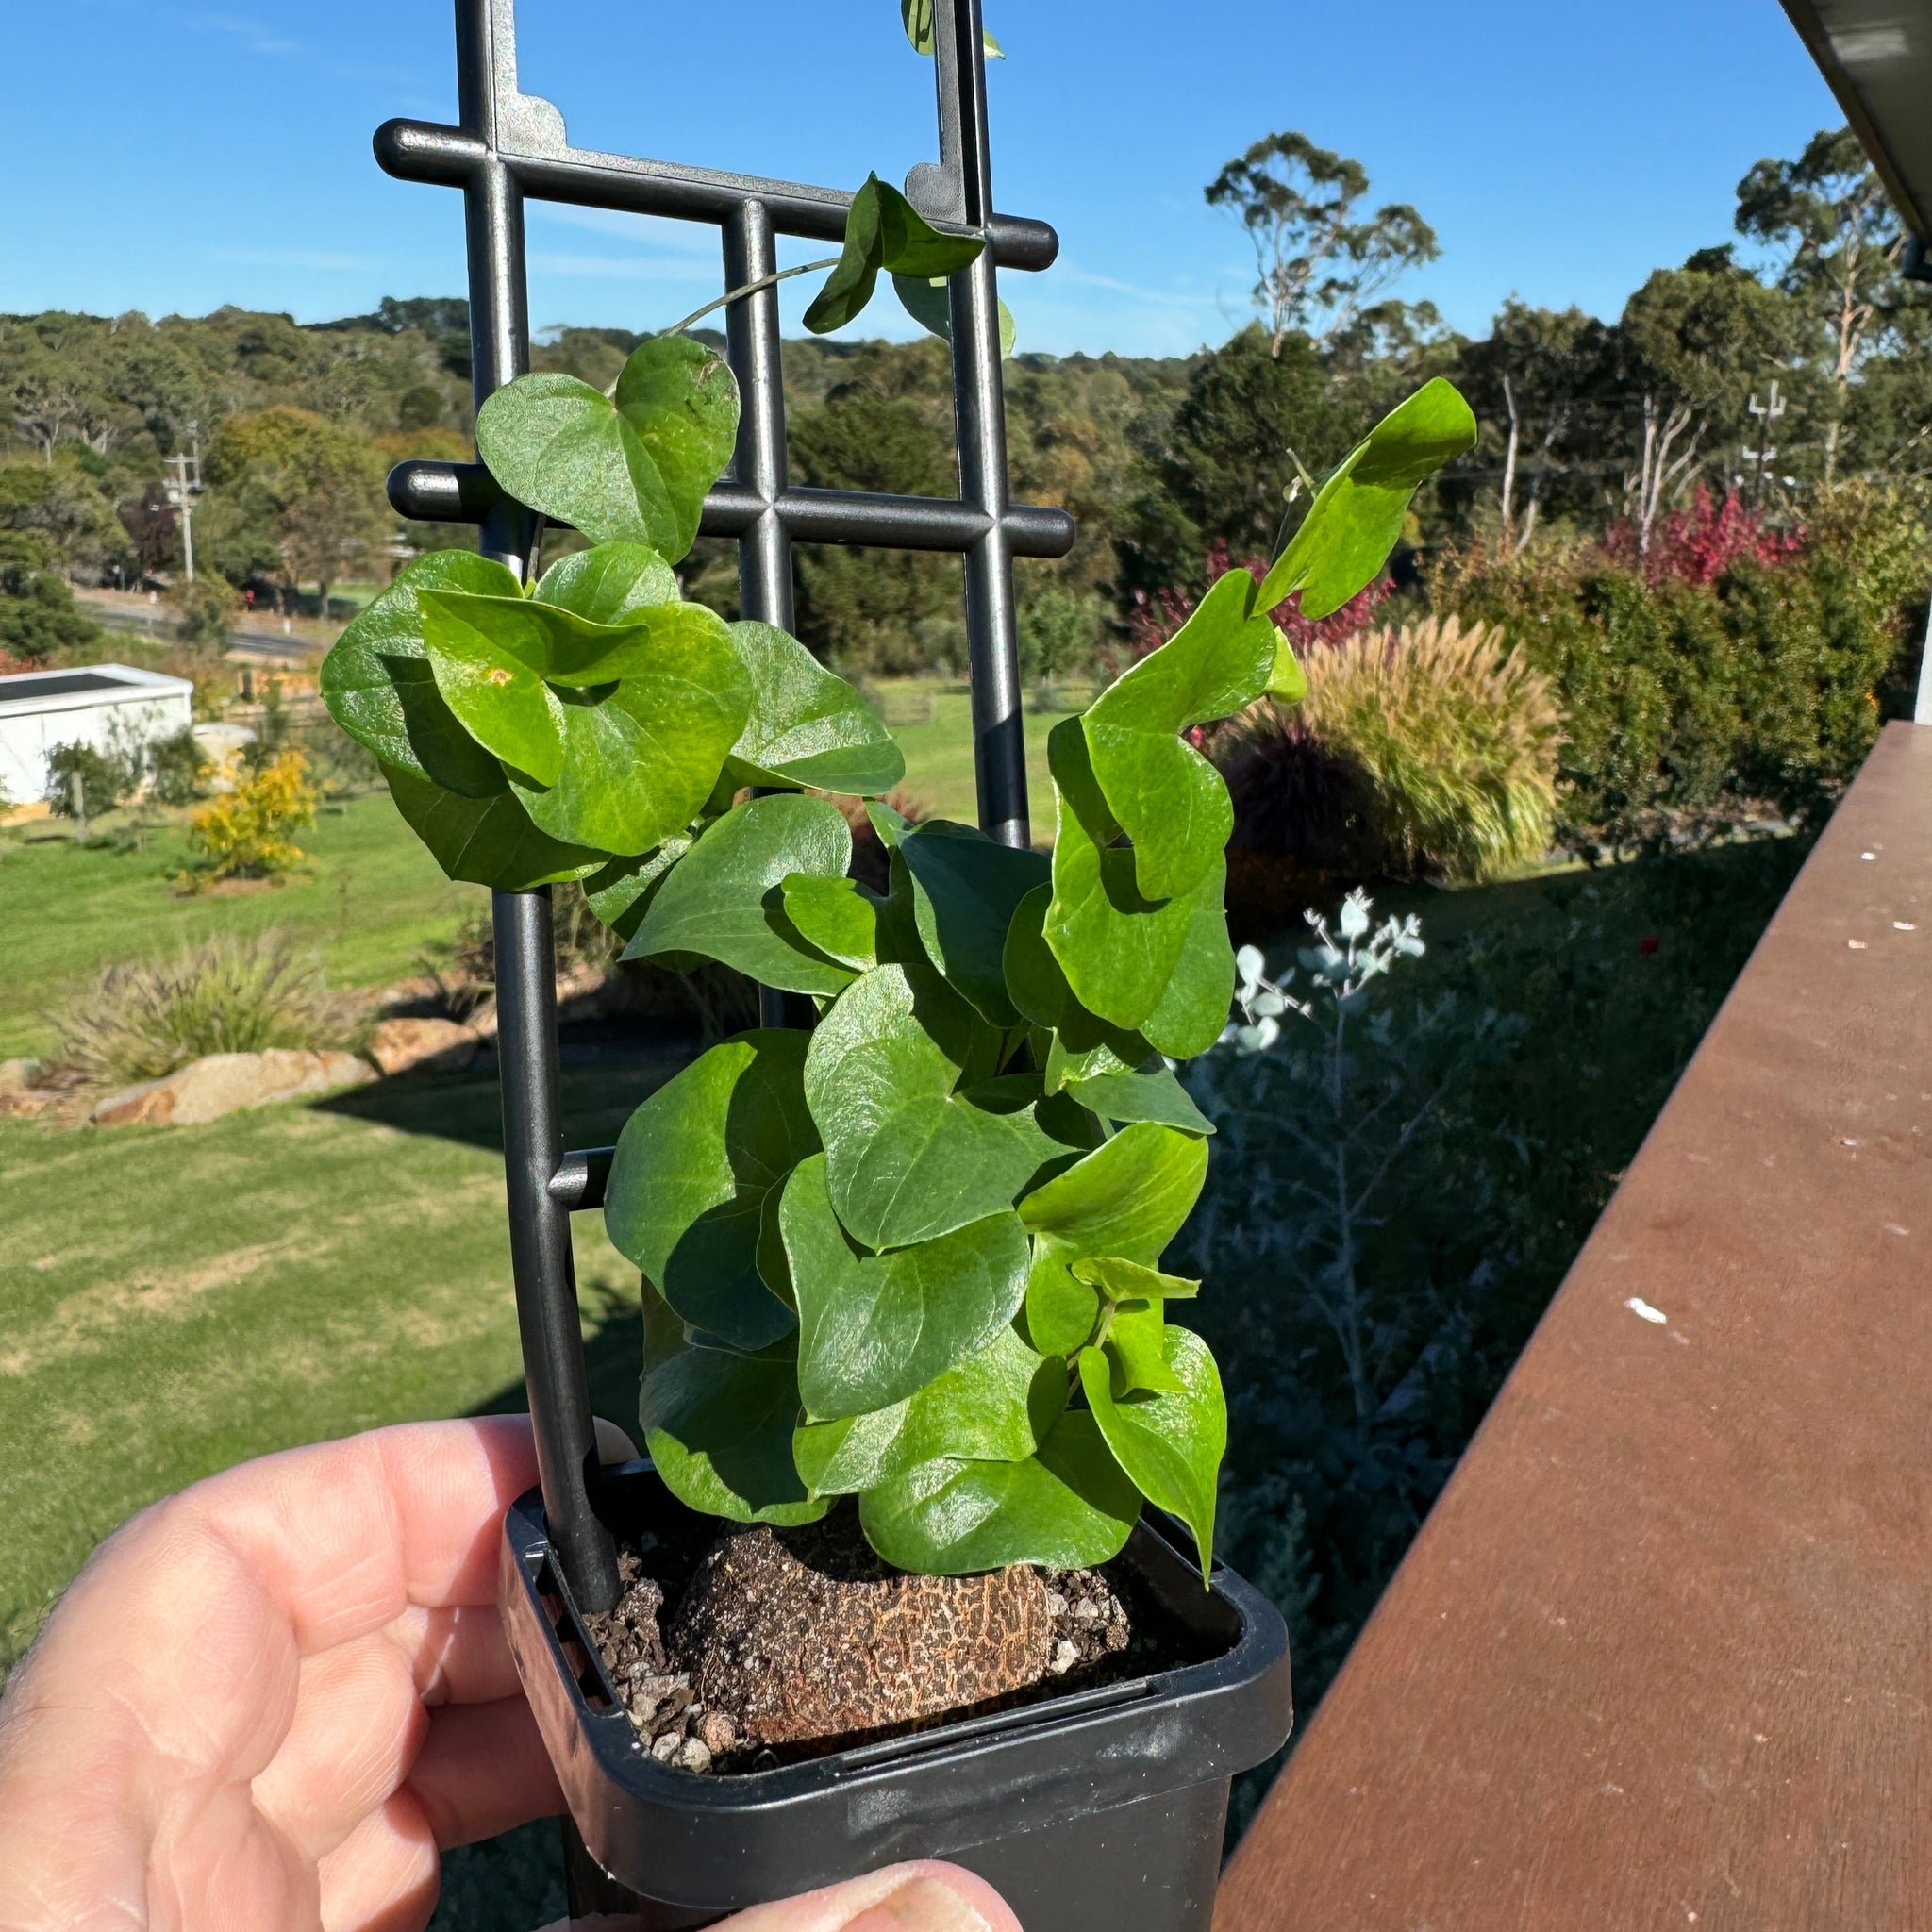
(510, 145)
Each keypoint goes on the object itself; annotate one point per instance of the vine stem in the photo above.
(784, 275)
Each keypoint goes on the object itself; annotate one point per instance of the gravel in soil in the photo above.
(766, 1647)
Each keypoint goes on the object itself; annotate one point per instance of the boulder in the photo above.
(430, 1046)
(225, 1083)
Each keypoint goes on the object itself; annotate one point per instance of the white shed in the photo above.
(110, 707)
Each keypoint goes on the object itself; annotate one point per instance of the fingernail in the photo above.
(925, 1904)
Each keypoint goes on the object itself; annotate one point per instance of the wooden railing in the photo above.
(1661, 1657)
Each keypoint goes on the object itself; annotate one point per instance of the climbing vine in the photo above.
(912, 1254)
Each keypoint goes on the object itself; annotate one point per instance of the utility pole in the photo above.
(1769, 413)
(184, 486)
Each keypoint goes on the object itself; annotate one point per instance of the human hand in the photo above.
(927, 1897)
(269, 1702)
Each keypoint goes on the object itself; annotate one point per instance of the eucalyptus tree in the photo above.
(1541, 384)
(1840, 242)
(1691, 344)
(1319, 260)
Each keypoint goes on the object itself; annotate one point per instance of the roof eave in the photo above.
(1890, 129)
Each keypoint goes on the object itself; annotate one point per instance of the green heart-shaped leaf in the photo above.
(910, 245)
(1192, 1012)
(874, 1330)
(966, 887)
(849, 287)
(1070, 1506)
(1168, 799)
(487, 840)
(607, 583)
(723, 900)
(494, 693)
(565, 648)
(1170, 1442)
(1150, 1094)
(691, 1171)
(642, 757)
(1122, 954)
(633, 467)
(1135, 1348)
(911, 1156)
(1128, 1198)
(917, 15)
(1061, 1312)
(931, 306)
(884, 232)
(806, 725)
(1081, 1045)
(1357, 518)
(838, 916)
(718, 1426)
(995, 1407)
(379, 687)
(621, 893)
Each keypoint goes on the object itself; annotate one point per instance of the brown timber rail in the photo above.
(1661, 1657)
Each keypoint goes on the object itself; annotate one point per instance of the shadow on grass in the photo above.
(602, 1080)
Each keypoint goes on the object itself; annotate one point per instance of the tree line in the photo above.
(1774, 365)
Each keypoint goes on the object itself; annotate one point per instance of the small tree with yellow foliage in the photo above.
(246, 835)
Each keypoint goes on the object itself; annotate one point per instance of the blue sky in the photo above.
(174, 156)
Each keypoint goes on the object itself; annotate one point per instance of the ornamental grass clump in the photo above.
(227, 994)
(910, 1255)
(1428, 750)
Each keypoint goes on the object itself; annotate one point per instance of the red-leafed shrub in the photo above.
(1704, 543)
(1155, 617)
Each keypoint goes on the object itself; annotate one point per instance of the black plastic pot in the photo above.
(1102, 1809)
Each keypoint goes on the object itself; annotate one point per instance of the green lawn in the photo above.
(939, 755)
(177, 1299)
(369, 896)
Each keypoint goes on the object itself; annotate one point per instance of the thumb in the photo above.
(926, 1897)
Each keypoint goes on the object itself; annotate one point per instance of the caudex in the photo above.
(912, 1254)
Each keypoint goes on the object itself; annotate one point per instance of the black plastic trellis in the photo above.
(512, 146)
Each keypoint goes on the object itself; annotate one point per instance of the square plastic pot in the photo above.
(1100, 1809)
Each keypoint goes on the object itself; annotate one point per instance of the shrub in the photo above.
(105, 779)
(1059, 632)
(1702, 543)
(1689, 705)
(39, 619)
(178, 767)
(1425, 750)
(208, 607)
(1344, 1207)
(246, 835)
(227, 994)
